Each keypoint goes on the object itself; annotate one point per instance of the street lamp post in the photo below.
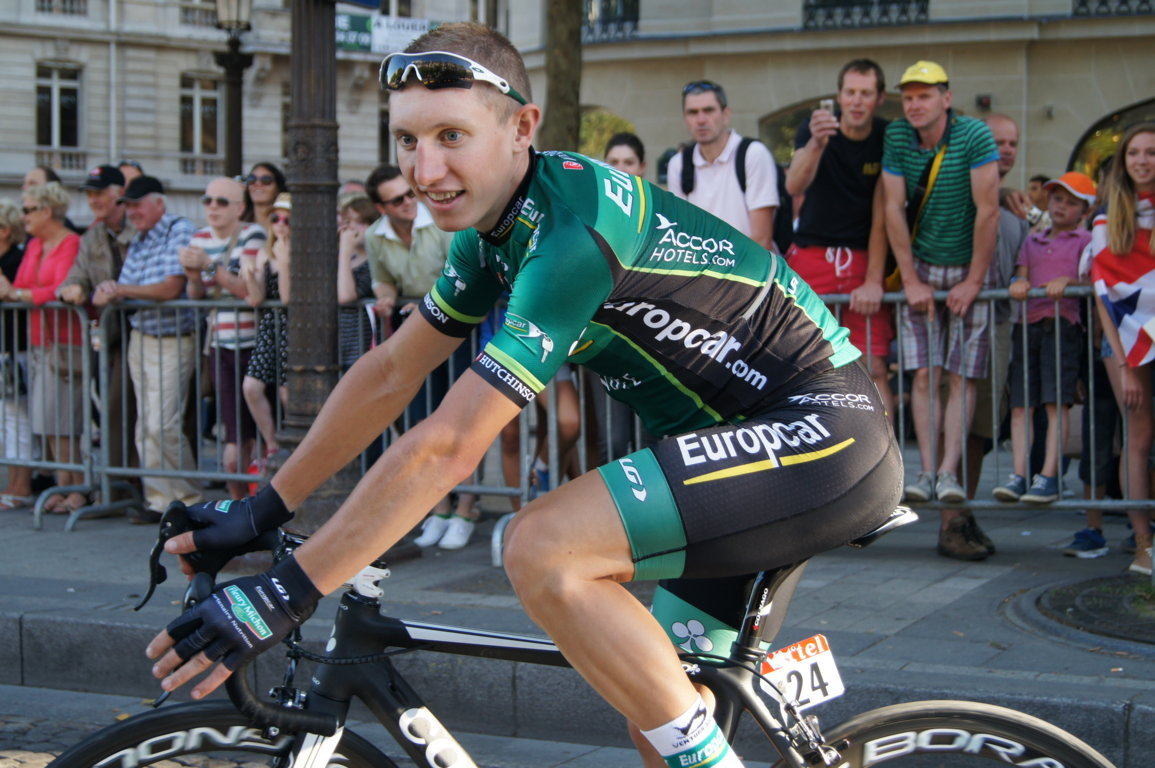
(312, 367)
(234, 16)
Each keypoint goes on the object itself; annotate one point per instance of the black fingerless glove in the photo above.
(232, 524)
(244, 617)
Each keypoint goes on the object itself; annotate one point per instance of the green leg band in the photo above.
(648, 512)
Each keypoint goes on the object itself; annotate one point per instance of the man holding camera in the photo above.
(840, 242)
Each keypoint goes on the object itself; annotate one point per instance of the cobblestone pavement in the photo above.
(33, 742)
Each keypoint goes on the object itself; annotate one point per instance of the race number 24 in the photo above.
(804, 672)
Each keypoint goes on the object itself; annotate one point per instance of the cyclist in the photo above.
(776, 446)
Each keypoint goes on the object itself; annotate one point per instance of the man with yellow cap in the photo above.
(940, 177)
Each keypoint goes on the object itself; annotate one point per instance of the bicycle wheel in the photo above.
(201, 735)
(946, 734)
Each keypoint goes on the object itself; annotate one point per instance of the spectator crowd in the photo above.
(918, 207)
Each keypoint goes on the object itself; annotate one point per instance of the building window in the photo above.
(200, 121)
(400, 8)
(610, 20)
(1112, 8)
(198, 13)
(58, 116)
(836, 14)
(63, 7)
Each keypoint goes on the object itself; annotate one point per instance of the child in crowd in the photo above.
(1048, 259)
(1098, 466)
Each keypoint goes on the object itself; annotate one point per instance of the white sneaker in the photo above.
(432, 530)
(458, 534)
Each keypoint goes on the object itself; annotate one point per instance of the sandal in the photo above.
(12, 501)
(70, 504)
(54, 505)
(1142, 563)
(259, 465)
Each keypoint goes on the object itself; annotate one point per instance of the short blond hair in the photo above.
(51, 195)
(487, 47)
(10, 220)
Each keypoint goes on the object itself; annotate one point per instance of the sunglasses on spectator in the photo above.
(395, 201)
(700, 85)
(279, 218)
(132, 163)
(704, 86)
(440, 69)
(264, 178)
(31, 209)
(223, 202)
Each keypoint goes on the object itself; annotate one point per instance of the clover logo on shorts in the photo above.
(694, 633)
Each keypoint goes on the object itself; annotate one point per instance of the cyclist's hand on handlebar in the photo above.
(229, 525)
(238, 621)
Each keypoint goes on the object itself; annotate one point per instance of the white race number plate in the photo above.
(804, 672)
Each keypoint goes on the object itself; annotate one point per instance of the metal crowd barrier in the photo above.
(111, 474)
(1084, 448)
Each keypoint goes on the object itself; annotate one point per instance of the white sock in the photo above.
(693, 740)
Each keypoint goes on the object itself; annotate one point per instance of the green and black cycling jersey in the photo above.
(685, 319)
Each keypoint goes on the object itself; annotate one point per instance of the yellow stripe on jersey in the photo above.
(642, 203)
(513, 365)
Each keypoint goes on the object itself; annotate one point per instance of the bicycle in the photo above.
(305, 729)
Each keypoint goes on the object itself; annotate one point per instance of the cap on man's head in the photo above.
(140, 188)
(925, 72)
(103, 177)
(1078, 184)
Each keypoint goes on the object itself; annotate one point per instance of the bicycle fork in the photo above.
(391, 699)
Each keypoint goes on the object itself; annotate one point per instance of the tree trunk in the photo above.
(561, 127)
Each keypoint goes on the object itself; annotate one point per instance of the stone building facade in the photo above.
(89, 81)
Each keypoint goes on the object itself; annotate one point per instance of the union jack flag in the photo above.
(1126, 284)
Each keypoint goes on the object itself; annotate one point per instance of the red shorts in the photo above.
(841, 270)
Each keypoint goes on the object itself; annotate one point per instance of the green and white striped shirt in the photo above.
(946, 230)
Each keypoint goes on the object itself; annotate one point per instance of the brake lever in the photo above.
(173, 522)
(176, 521)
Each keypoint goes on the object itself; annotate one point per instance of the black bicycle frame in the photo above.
(360, 630)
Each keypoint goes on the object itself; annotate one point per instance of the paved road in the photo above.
(904, 624)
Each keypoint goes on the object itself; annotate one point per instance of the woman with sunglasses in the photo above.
(268, 279)
(263, 185)
(56, 350)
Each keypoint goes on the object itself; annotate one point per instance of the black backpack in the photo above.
(783, 233)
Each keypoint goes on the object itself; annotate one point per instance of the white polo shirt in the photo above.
(413, 269)
(716, 183)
